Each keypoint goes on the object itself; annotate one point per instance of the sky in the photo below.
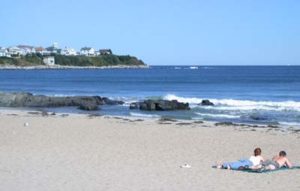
(162, 32)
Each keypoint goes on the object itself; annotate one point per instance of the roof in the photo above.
(86, 48)
(25, 46)
(39, 49)
(13, 48)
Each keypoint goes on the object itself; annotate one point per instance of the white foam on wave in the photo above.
(218, 115)
(58, 95)
(128, 101)
(182, 99)
(143, 115)
(232, 104)
(290, 124)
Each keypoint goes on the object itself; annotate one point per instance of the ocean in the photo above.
(242, 94)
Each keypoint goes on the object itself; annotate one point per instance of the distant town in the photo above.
(23, 50)
(47, 53)
(26, 55)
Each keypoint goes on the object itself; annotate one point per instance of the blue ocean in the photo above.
(243, 94)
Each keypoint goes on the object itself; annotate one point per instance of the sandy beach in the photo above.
(79, 152)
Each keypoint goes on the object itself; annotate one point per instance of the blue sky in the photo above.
(161, 32)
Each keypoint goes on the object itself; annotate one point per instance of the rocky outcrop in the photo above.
(206, 102)
(88, 106)
(134, 105)
(159, 105)
(30, 100)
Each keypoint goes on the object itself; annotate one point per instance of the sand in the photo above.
(78, 152)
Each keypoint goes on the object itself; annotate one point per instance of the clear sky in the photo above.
(162, 32)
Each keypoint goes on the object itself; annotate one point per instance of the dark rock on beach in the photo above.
(106, 101)
(258, 117)
(225, 124)
(30, 100)
(159, 105)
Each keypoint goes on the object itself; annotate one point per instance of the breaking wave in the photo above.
(233, 104)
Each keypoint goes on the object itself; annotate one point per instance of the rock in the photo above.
(88, 106)
(134, 105)
(273, 126)
(225, 124)
(108, 101)
(167, 119)
(159, 105)
(258, 117)
(30, 100)
(206, 102)
(45, 113)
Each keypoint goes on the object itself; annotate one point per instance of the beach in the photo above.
(86, 152)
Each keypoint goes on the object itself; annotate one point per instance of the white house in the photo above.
(105, 51)
(41, 51)
(97, 53)
(25, 49)
(49, 60)
(54, 49)
(87, 51)
(69, 52)
(4, 52)
(15, 51)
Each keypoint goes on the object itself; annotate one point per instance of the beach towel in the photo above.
(264, 170)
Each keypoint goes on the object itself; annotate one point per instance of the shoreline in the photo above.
(10, 111)
(69, 67)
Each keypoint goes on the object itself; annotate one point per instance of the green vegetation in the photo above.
(28, 60)
(103, 60)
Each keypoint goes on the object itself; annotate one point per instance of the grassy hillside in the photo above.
(103, 60)
(28, 60)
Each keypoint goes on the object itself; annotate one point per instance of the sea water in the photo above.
(245, 94)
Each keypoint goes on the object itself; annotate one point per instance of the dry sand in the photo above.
(104, 153)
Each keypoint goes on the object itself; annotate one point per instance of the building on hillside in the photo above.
(25, 49)
(41, 51)
(4, 52)
(87, 51)
(15, 51)
(105, 51)
(54, 49)
(97, 52)
(49, 60)
(69, 52)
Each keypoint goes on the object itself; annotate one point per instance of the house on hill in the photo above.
(87, 51)
(4, 52)
(14, 51)
(69, 52)
(53, 50)
(105, 51)
(41, 51)
(26, 49)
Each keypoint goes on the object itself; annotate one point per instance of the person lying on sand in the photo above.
(277, 162)
(253, 161)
